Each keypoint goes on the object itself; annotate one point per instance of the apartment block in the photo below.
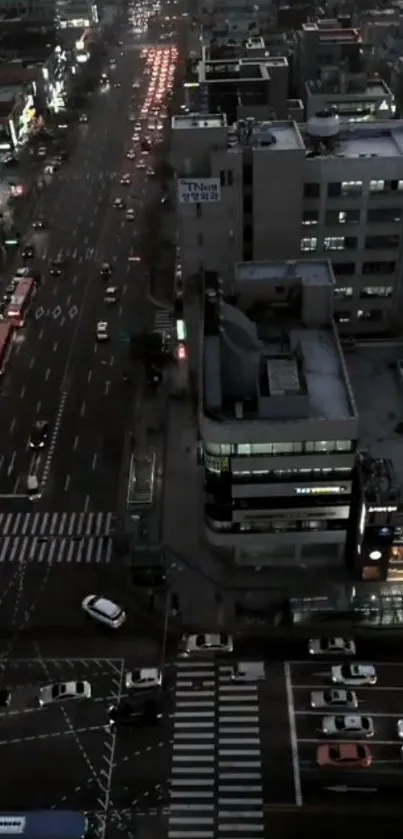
(277, 419)
(273, 190)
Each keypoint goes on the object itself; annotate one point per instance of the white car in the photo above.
(111, 294)
(104, 610)
(64, 690)
(145, 677)
(333, 698)
(119, 204)
(130, 215)
(125, 180)
(207, 642)
(350, 726)
(331, 646)
(136, 85)
(399, 729)
(101, 331)
(21, 272)
(354, 675)
(131, 154)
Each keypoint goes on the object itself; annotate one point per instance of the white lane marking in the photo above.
(293, 736)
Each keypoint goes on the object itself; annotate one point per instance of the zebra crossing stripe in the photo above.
(95, 549)
(56, 524)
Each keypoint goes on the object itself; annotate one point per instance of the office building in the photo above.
(277, 419)
(273, 190)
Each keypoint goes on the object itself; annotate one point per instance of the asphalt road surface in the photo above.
(58, 372)
(64, 756)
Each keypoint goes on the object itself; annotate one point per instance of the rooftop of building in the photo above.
(376, 379)
(377, 139)
(184, 122)
(231, 69)
(359, 87)
(332, 34)
(271, 351)
(281, 135)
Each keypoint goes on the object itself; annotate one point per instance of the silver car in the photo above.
(143, 678)
(356, 725)
(331, 646)
(334, 698)
(61, 691)
(206, 643)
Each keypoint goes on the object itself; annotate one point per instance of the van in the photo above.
(33, 488)
(248, 671)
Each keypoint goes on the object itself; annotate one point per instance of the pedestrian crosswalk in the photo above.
(55, 538)
(216, 788)
(56, 524)
(164, 323)
(43, 549)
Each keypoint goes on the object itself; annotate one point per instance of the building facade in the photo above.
(277, 419)
(273, 190)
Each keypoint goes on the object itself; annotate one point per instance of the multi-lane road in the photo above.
(58, 372)
(227, 759)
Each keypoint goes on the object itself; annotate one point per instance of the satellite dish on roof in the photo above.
(324, 125)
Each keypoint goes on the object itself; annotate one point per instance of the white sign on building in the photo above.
(204, 191)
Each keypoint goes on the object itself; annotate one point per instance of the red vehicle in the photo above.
(344, 756)
(6, 341)
(20, 301)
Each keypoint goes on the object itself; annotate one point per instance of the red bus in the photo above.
(6, 341)
(19, 303)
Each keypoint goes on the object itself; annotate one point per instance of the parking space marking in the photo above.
(371, 688)
(293, 735)
(330, 740)
(344, 713)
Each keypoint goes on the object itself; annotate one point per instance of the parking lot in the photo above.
(382, 702)
(63, 755)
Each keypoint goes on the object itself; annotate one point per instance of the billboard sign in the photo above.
(202, 191)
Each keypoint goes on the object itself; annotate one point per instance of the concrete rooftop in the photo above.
(378, 392)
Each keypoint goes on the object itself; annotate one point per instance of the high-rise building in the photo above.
(273, 190)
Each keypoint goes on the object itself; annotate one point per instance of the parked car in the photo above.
(331, 646)
(207, 642)
(343, 756)
(356, 725)
(333, 698)
(145, 677)
(354, 675)
(64, 690)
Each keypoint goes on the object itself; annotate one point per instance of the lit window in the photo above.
(376, 291)
(309, 244)
(310, 217)
(376, 186)
(351, 187)
(343, 292)
(334, 243)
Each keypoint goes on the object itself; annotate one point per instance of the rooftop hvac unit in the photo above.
(324, 125)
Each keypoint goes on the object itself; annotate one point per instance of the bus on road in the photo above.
(44, 824)
(6, 342)
(20, 301)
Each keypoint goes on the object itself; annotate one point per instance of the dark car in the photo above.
(62, 154)
(39, 435)
(39, 224)
(28, 252)
(5, 697)
(135, 713)
(105, 271)
(56, 267)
